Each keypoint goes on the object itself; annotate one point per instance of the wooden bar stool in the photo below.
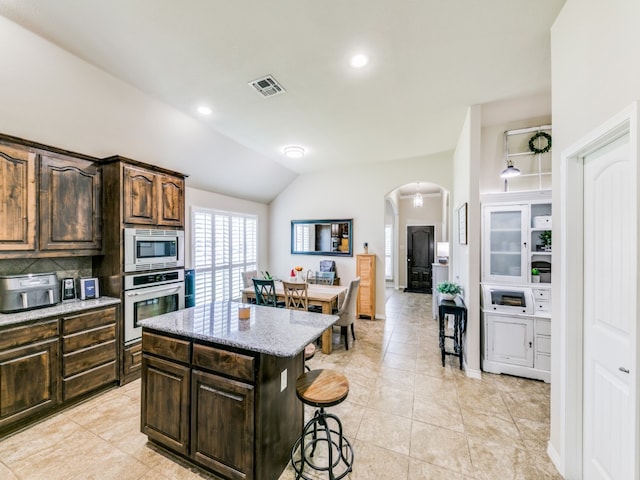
(322, 388)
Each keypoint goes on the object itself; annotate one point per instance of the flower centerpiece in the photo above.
(449, 290)
(296, 273)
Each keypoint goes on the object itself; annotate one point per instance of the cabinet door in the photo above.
(165, 403)
(18, 199)
(70, 204)
(509, 340)
(140, 196)
(28, 381)
(504, 244)
(171, 201)
(222, 409)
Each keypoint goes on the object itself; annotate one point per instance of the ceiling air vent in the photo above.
(267, 86)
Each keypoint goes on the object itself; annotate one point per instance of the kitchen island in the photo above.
(220, 391)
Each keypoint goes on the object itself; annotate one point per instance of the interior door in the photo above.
(610, 442)
(419, 258)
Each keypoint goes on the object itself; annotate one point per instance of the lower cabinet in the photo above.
(28, 372)
(223, 410)
(131, 363)
(517, 345)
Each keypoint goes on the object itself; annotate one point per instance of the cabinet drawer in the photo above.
(89, 380)
(543, 327)
(167, 347)
(32, 333)
(87, 358)
(543, 362)
(223, 361)
(541, 294)
(87, 321)
(88, 338)
(542, 307)
(543, 344)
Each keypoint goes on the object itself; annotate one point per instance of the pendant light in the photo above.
(417, 198)
(510, 171)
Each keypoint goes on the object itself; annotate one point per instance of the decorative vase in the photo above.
(448, 296)
(535, 278)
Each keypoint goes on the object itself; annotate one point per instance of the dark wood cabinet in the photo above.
(131, 362)
(89, 352)
(29, 375)
(165, 403)
(152, 198)
(70, 205)
(18, 198)
(222, 409)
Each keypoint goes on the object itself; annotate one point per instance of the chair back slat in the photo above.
(265, 292)
(296, 295)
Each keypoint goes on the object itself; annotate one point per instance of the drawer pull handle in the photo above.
(624, 370)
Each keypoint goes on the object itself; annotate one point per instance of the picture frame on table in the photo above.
(462, 224)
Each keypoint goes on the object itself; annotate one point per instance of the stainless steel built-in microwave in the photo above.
(150, 249)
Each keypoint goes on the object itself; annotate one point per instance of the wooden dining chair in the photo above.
(266, 293)
(296, 297)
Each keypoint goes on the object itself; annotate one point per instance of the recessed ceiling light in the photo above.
(204, 110)
(293, 151)
(360, 60)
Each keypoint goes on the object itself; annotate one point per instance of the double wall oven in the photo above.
(150, 292)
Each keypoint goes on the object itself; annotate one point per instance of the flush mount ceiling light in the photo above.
(417, 198)
(293, 151)
(510, 171)
(360, 60)
(204, 110)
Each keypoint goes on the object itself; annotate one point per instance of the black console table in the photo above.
(457, 308)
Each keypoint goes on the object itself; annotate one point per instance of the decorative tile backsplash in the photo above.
(63, 267)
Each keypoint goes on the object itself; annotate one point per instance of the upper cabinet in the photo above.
(516, 237)
(17, 199)
(50, 202)
(70, 204)
(152, 198)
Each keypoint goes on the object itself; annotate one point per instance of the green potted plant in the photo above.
(545, 238)
(535, 275)
(449, 290)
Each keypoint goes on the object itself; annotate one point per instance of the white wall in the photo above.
(51, 97)
(214, 201)
(465, 258)
(595, 74)
(357, 193)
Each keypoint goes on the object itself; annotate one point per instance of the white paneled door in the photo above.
(610, 442)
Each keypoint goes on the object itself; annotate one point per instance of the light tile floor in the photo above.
(406, 416)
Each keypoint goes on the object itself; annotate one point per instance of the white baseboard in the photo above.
(472, 373)
(555, 458)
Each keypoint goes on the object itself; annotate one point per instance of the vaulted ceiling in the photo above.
(428, 61)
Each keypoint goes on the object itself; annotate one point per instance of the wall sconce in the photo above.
(442, 252)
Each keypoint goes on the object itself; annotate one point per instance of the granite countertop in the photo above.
(274, 331)
(61, 309)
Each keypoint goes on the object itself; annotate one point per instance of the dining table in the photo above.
(327, 297)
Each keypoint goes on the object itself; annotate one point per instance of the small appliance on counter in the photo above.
(88, 288)
(68, 289)
(29, 291)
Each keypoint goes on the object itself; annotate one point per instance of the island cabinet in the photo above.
(230, 411)
(29, 376)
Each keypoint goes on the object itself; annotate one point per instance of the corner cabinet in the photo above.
(366, 270)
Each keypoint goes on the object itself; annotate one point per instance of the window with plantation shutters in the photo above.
(224, 246)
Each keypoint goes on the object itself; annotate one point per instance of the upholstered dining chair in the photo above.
(296, 298)
(266, 293)
(247, 276)
(347, 312)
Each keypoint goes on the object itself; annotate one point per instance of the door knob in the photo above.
(624, 370)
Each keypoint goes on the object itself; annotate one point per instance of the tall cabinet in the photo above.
(366, 270)
(516, 238)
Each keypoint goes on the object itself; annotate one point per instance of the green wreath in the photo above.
(533, 148)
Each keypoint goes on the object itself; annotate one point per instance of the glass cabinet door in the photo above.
(505, 249)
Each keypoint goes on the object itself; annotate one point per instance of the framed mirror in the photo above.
(322, 237)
